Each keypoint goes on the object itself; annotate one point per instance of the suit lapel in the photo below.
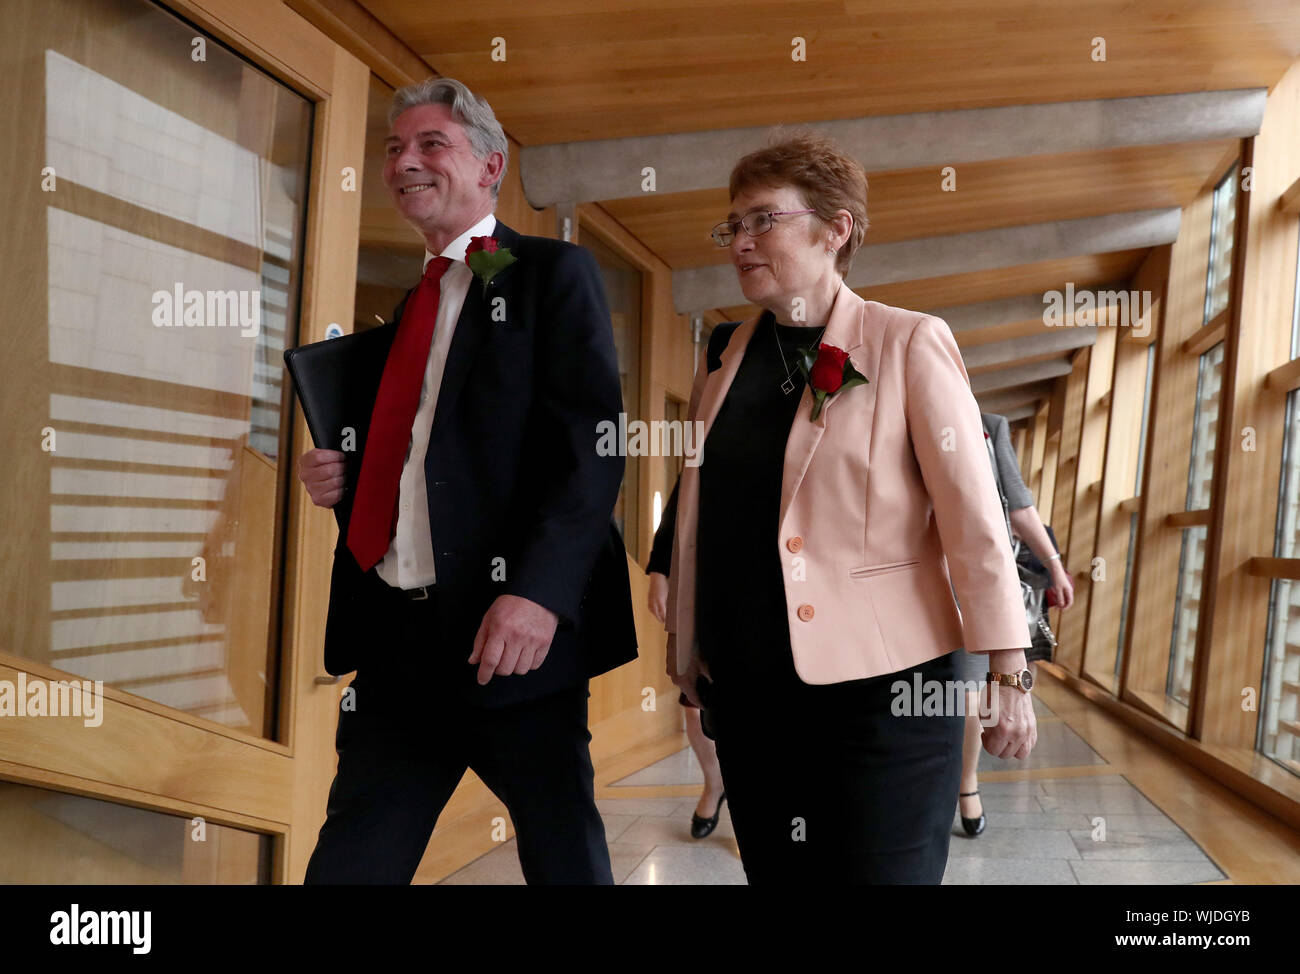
(466, 341)
(472, 328)
(843, 330)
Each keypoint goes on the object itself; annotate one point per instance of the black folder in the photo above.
(336, 381)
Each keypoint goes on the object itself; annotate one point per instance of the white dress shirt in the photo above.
(409, 562)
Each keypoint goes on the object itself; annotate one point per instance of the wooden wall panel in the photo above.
(1237, 630)
(1169, 439)
(1119, 481)
(1088, 473)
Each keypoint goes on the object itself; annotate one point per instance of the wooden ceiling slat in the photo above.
(906, 204)
(636, 67)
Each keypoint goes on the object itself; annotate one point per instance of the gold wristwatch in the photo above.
(1022, 681)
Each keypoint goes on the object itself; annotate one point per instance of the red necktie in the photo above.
(374, 510)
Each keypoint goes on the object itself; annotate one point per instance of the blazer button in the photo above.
(806, 612)
(795, 543)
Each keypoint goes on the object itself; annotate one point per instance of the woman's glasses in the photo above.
(755, 224)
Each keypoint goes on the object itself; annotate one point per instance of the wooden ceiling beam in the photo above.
(604, 169)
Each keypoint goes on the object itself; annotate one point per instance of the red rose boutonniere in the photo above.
(487, 258)
(828, 370)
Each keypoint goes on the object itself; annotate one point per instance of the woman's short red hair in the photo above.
(828, 179)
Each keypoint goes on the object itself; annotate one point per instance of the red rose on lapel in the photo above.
(486, 258)
(827, 373)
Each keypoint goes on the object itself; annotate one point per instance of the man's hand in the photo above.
(514, 637)
(321, 472)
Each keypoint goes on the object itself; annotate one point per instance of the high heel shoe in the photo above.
(701, 827)
(973, 826)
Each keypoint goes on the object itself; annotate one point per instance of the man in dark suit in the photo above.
(479, 580)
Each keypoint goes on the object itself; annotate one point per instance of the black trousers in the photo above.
(827, 785)
(405, 741)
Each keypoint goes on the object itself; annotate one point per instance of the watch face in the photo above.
(1027, 680)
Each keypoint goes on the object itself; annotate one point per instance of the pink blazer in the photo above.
(886, 500)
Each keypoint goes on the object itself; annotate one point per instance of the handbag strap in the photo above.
(997, 482)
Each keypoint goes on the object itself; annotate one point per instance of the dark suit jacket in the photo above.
(512, 472)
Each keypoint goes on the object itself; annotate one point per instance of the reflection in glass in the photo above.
(50, 837)
(623, 289)
(169, 263)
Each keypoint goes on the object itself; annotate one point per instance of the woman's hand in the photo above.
(657, 602)
(685, 681)
(1062, 585)
(1014, 730)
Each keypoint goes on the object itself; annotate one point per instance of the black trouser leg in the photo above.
(825, 783)
(535, 757)
(390, 787)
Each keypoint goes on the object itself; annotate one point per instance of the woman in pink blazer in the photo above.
(809, 598)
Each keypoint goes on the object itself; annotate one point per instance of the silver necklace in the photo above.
(788, 385)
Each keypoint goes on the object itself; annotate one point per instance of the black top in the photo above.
(743, 627)
(661, 553)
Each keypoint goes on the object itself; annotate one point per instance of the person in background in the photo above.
(703, 821)
(1028, 526)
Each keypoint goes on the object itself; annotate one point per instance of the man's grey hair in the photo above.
(474, 113)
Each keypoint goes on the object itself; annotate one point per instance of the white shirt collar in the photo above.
(485, 227)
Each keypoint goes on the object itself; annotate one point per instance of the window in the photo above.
(1191, 560)
(1187, 614)
(1222, 225)
(674, 417)
(1133, 518)
(1146, 419)
(1128, 590)
(1295, 313)
(623, 290)
(1209, 383)
(53, 837)
(1279, 725)
(163, 271)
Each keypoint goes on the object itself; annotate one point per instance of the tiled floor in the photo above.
(1097, 829)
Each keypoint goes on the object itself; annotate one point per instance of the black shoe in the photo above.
(973, 826)
(701, 827)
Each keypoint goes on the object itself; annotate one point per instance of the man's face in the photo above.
(430, 170)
